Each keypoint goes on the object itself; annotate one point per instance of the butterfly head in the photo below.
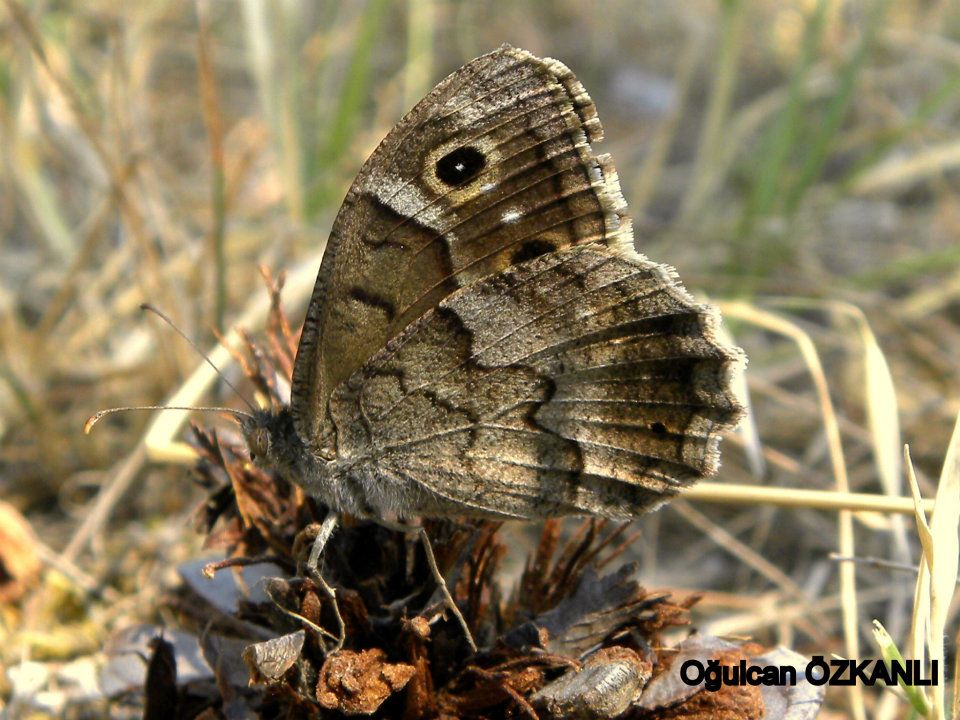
(267, 433)
(274, 444)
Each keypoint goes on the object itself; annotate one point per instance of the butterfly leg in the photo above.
(313, 561)
(437, 575)
(323, 537)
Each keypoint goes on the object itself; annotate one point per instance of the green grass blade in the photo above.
(827, 129)
(418, 73)
(782, 137)
(891, 653)
(715, 125)
(354, 92)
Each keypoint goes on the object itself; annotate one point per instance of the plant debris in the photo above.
(358, 683)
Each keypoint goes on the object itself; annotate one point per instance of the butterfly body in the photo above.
(483, 339)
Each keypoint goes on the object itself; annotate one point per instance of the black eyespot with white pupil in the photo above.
(460, 166)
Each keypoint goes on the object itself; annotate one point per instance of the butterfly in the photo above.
(482, 339)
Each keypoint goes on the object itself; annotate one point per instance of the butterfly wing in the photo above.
(493, 167)
(583, 381)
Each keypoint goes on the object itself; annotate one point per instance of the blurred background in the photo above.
(797, 161)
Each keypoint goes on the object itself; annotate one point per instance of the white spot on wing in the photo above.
(510, 216)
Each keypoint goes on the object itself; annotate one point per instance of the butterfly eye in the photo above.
(460, 166)
(259, 443)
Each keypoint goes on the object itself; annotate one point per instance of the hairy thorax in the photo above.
(357, 486)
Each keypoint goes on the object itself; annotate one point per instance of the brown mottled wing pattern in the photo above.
(582, 381)
(492, 168)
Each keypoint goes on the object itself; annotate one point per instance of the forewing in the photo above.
(492, 168)
(582, 381)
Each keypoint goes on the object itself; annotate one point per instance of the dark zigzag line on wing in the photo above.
(452, 405)
(397, 374)
(605, 259)
(433, 397)
(590, 338)
(537, 318)
(398, 342)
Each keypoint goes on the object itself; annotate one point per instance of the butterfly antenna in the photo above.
(156, 311)
(94, 419)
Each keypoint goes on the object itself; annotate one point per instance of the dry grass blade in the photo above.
(943, 574)
(881, 405)
(921, 601)
(213, 119)
(901, 172)
(732, 494)
(940, 551)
